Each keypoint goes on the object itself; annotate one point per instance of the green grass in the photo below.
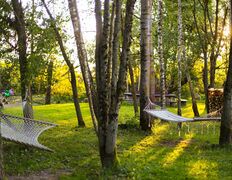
(162, 154)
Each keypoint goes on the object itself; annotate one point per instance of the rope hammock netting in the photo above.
(23, 130)
(155, 111)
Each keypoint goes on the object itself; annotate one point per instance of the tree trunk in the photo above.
(82, 55)
(160, 54)
(213, 56)
(1, 157)
(179, 56)
(49, 83)
(106, 136)
(27, 104)
(133, 88)
(145, 44)
(109, 68)
(81, 122)
(204, 46)
(152, 79)
(226, 122)
(187, 71)
(108, 114)
(205, 81)
(115, 58)
(20, 28)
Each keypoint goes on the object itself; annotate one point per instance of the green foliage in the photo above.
(61, 88)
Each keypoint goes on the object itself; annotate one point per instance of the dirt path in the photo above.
(44, 175)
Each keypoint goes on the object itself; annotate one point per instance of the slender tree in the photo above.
(20, 27)
(213, 58)
(226, 122)
(133, 88)
(189, 79)
(81, 122)
(204, 47)
(145, 46)
(49, 82)
(1, 155)
(160, 54)
(82, 55)
(179, 55)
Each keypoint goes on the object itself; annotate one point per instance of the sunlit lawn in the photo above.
(163, 154)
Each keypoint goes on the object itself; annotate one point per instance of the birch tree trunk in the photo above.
(133, 88)
(20, 28)
(1, 156)
(49, 82)
(213, 57)
(145, 44)
(82, 55)
(187, 72)
(205, 70)
(108, 113)
(204, 47)
(179, 56)
(81, 122)
(160, 54)
(226, 122)
(152, 79)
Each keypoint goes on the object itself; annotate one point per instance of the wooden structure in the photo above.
(215, 99)
(171, 99)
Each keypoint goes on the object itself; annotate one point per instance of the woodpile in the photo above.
(215, 100)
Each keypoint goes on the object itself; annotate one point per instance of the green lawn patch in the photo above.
(163, 154)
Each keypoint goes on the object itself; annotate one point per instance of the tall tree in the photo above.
(213, 57)
(49, 82)
(226, 122)
(81, 122)
(108, 112)
(20, 27)
(1, 156)
(179, 55)
(160, 54)
(82, 55)
(145, 46)
(133, 88)
(216, 37)
(189, 79)
(204, 46)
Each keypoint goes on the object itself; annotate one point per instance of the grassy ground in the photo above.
(163, 154)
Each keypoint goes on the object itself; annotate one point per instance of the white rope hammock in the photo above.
(166, 115)
(23, 130)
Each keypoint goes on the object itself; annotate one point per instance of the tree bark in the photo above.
(82, 55)
(81, 122)
(204, 46)
(111, 36)
(145, 44)
(187, 71)
(20, 28)
(213, 57)
(205, 70)
(179, 56)
(2, 174)
(160, 54)
(49, 83)
(133, 88)
(152, 79)
(108, 114)
(226, 122)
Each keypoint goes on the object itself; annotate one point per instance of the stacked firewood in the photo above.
(215, 100)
